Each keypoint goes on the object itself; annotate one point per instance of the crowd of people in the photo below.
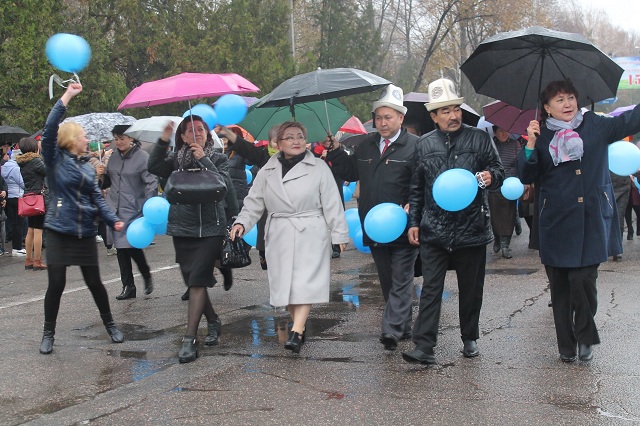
(575, 209)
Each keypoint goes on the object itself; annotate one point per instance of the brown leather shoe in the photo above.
(38, 265)
(28, 264)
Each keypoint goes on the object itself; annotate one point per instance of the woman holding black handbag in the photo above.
(198, 229)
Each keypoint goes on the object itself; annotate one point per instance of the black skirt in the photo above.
(63, 249)
(196, 257)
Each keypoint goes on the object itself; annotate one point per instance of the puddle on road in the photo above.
(268, 328)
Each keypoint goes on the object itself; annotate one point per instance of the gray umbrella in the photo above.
(322, 84)
(98, 125)
(514, 66)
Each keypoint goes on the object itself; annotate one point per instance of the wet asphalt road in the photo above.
(343, 375)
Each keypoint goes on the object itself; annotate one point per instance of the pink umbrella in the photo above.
(620, 110)
(184, 87)
(353, 125)
(508, 117)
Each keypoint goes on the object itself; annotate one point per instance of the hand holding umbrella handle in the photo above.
(533, 131)
(226, 132)
(167, 132)
(330, 142)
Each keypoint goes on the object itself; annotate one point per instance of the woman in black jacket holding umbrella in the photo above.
(197, 229)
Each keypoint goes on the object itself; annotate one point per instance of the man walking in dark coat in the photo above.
(450, 239)
(383, 163)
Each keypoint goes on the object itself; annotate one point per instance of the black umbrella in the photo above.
(418, 116)
(10, 135)
(514, 66)
(322, 84)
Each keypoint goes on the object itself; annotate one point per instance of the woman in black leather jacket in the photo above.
(75, 202)
(197, 229)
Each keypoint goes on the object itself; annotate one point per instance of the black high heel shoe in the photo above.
(295, 342)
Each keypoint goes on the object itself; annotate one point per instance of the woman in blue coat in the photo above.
(567, 157)
(75, 203)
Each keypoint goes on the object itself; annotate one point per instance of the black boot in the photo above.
(46, 346)
(295, 342)
(227, 274)
(128, 292)
(505, 240)
(189, 351)
(496, 244)
(116, 335)
(148, 286)
(214, 329)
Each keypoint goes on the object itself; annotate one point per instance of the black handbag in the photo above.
(195, 186)
(234, 254)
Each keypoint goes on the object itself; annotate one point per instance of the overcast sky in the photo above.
(623, 13)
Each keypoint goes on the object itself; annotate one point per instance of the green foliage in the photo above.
(25, 26)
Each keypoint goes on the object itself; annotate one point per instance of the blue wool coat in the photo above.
(576, 206)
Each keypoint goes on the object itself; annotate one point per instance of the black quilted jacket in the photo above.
(468, 148)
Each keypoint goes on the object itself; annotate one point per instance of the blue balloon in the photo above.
(249, 176)
(68, 52)
(455, 189)
(156, 210)
(352, 185)
(353, 220)
(231, 109)
(624, 158)
(251, 237)
(385, 222)
(161, 228)
(357, 241)
(140, 233)
(347, 193)
(512, 188)
(206, 112)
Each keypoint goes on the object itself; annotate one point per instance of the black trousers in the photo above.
(126, 269)
(58, 281)
(395, 271)
(469, 264)
(575, 301)
(16, 223)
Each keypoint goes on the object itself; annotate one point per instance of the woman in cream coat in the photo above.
(305, 216)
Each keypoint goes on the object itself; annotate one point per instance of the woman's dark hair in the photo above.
(552, 89)
(291, 124)
(28, 145)
(182, 128)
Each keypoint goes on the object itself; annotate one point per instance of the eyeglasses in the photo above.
(293, 138)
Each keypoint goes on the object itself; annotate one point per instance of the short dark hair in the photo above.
(182, 128)
(291, 124)
(552, 89)
(28, 145)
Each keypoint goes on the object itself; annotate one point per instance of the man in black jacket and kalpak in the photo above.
(450, 240)
(383, 163)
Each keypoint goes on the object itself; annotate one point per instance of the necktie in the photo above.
(386, 145)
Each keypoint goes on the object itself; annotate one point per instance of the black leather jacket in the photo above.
(468, 148)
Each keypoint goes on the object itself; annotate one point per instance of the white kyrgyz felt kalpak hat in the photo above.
(442, 93)
(391, 97)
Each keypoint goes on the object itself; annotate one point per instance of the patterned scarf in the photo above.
(186, 159)
(566, 144)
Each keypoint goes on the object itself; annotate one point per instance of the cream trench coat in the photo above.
(305, 216)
